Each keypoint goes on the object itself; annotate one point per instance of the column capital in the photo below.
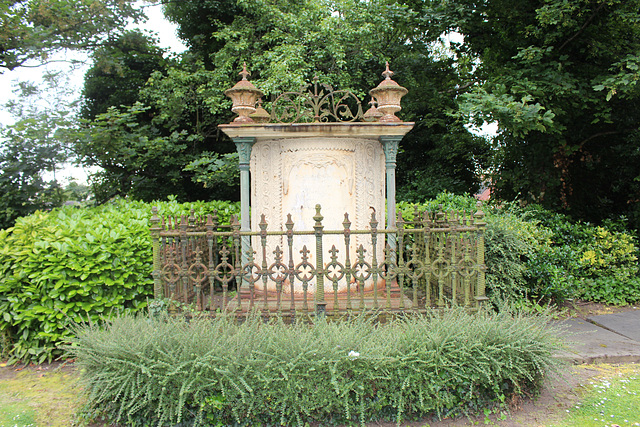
(390, 138)
(390, 147)
(243, 145)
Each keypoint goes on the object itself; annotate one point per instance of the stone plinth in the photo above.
(340, 166)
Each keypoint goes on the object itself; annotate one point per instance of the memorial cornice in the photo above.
(314, 130)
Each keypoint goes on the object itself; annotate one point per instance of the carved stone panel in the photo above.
(293, 175)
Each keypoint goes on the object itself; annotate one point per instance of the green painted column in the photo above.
(243, 145)
(390, 146)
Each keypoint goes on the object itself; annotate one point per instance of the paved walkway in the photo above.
(605, 338)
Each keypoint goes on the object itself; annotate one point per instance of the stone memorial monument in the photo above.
(317, 147)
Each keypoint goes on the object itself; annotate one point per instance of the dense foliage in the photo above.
(75, 264)
(121, 67)
(165, 371)
(560, 78)
(595, 263)
(555, 259)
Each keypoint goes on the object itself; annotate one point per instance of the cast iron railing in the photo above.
(432, 261)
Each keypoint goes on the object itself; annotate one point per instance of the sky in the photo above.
(162, 29)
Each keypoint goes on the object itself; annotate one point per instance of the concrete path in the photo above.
(606, 338)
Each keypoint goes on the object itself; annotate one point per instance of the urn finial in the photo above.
(387, 95)
(244, 96)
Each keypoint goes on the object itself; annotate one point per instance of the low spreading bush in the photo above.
(167, 372)
(72, 264)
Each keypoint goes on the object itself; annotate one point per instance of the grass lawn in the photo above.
(610, 399)
(16, 414)
(37, 396)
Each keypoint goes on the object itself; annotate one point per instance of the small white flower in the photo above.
(354, 354)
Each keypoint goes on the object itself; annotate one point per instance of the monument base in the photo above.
(341, 303)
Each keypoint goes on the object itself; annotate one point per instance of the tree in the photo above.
(144, 148)
(136, 159)
(121, 68)
(32, 150)
(560, 78)
(32, 30)
(344, 43)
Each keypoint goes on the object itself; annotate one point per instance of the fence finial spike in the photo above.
(373, 222)
(155, 220)
(318, 216)
(346, 223)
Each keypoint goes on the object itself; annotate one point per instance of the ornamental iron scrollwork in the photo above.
(437, 259)
(305, 272)
(316, 103)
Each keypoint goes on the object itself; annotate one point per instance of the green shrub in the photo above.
(72, 264)
(510, 243)
(549, 275)
(164, 371)
(448, 202)
(608, 268)
(598, 263)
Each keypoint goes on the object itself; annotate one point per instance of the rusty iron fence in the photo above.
(434, 260)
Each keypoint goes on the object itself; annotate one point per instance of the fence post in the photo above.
(480, 224)
(155, 236)
(374, 262)
(321, 304)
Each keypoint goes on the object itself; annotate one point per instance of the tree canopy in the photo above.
(121, 68)
(286, 44)
(33, 148)
(559, 77)
(32, 30)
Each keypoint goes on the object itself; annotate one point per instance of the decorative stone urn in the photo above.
(244, 96)
(388, 95)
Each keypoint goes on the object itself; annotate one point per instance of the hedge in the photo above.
(74, 264)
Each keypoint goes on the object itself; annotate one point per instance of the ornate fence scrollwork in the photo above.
(316, 103)
(438, 259)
